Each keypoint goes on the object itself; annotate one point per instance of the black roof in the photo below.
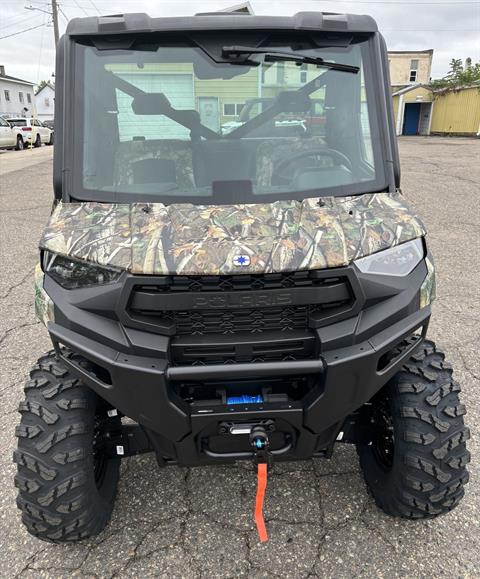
(140, 22)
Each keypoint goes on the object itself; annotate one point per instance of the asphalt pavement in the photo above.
(197, 522)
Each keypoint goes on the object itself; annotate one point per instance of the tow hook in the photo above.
(262, 459)
(261, 443)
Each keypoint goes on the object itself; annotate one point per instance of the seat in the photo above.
(155, 161)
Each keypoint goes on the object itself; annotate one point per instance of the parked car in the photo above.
(33, 131)
(49, 123)
(311, 121)
(10, 137)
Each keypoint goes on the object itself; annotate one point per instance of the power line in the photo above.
(94, 6)
(81, 8)
(40, 52)
(403, 3)
(22, 31)
(60, 9)
(18, 21)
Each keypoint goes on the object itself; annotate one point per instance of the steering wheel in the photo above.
(282, 169)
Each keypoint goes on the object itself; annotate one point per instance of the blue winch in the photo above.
(244, 399)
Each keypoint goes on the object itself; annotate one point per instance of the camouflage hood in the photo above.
(186, 239)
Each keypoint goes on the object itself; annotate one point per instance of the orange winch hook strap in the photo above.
(261, 487)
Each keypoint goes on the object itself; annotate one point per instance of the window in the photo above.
(47, 102)
(140, 165)
(232, 109)
(20, 97)
(303, 74)
(7, 95)
(413, 70)
(29, 98)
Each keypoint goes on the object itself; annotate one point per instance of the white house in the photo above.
(45, 102)
(16, 95)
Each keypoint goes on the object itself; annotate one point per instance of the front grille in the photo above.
(252, 321)
(240, 318)
(232, 283)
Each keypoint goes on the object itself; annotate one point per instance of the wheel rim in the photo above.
(383, 441)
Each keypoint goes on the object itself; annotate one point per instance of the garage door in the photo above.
(178, 88)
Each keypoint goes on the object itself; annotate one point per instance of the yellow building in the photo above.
(457, 112)
(420, 111)
(409, 67)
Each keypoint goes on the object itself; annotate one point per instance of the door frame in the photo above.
(401, 115)
(217, 99)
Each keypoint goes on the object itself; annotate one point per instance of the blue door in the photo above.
(411, 118)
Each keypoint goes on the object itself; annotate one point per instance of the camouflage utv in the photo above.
(252, 294)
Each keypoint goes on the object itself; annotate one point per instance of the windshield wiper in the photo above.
(236, 52)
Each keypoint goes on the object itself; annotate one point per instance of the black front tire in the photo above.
(414, 466)
(20, 144)
(50, 142)
(38, 141)
(66, 488)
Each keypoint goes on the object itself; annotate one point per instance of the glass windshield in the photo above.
(170, 123)
(18, 122)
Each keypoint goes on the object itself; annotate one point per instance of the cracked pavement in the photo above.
(180, 522)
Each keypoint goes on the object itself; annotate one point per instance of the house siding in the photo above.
(457, 112)
(237, 90)
(420, 94)
(14, 107)
(44, 111)
(396, 101)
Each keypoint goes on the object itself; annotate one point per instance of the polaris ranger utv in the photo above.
(256, 295)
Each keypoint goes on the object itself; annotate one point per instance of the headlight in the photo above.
(76, 273)
(399, 260)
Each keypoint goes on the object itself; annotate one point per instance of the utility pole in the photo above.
(54, 14)
(55, 20)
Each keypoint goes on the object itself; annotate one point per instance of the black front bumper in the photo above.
(142, 387)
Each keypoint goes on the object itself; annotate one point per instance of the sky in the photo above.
(451, 28)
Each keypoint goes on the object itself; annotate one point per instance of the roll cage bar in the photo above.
(283, 102)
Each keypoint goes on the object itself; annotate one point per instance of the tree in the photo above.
(41, 84)
(458, 75)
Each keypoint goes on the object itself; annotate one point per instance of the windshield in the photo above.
(172, 124)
